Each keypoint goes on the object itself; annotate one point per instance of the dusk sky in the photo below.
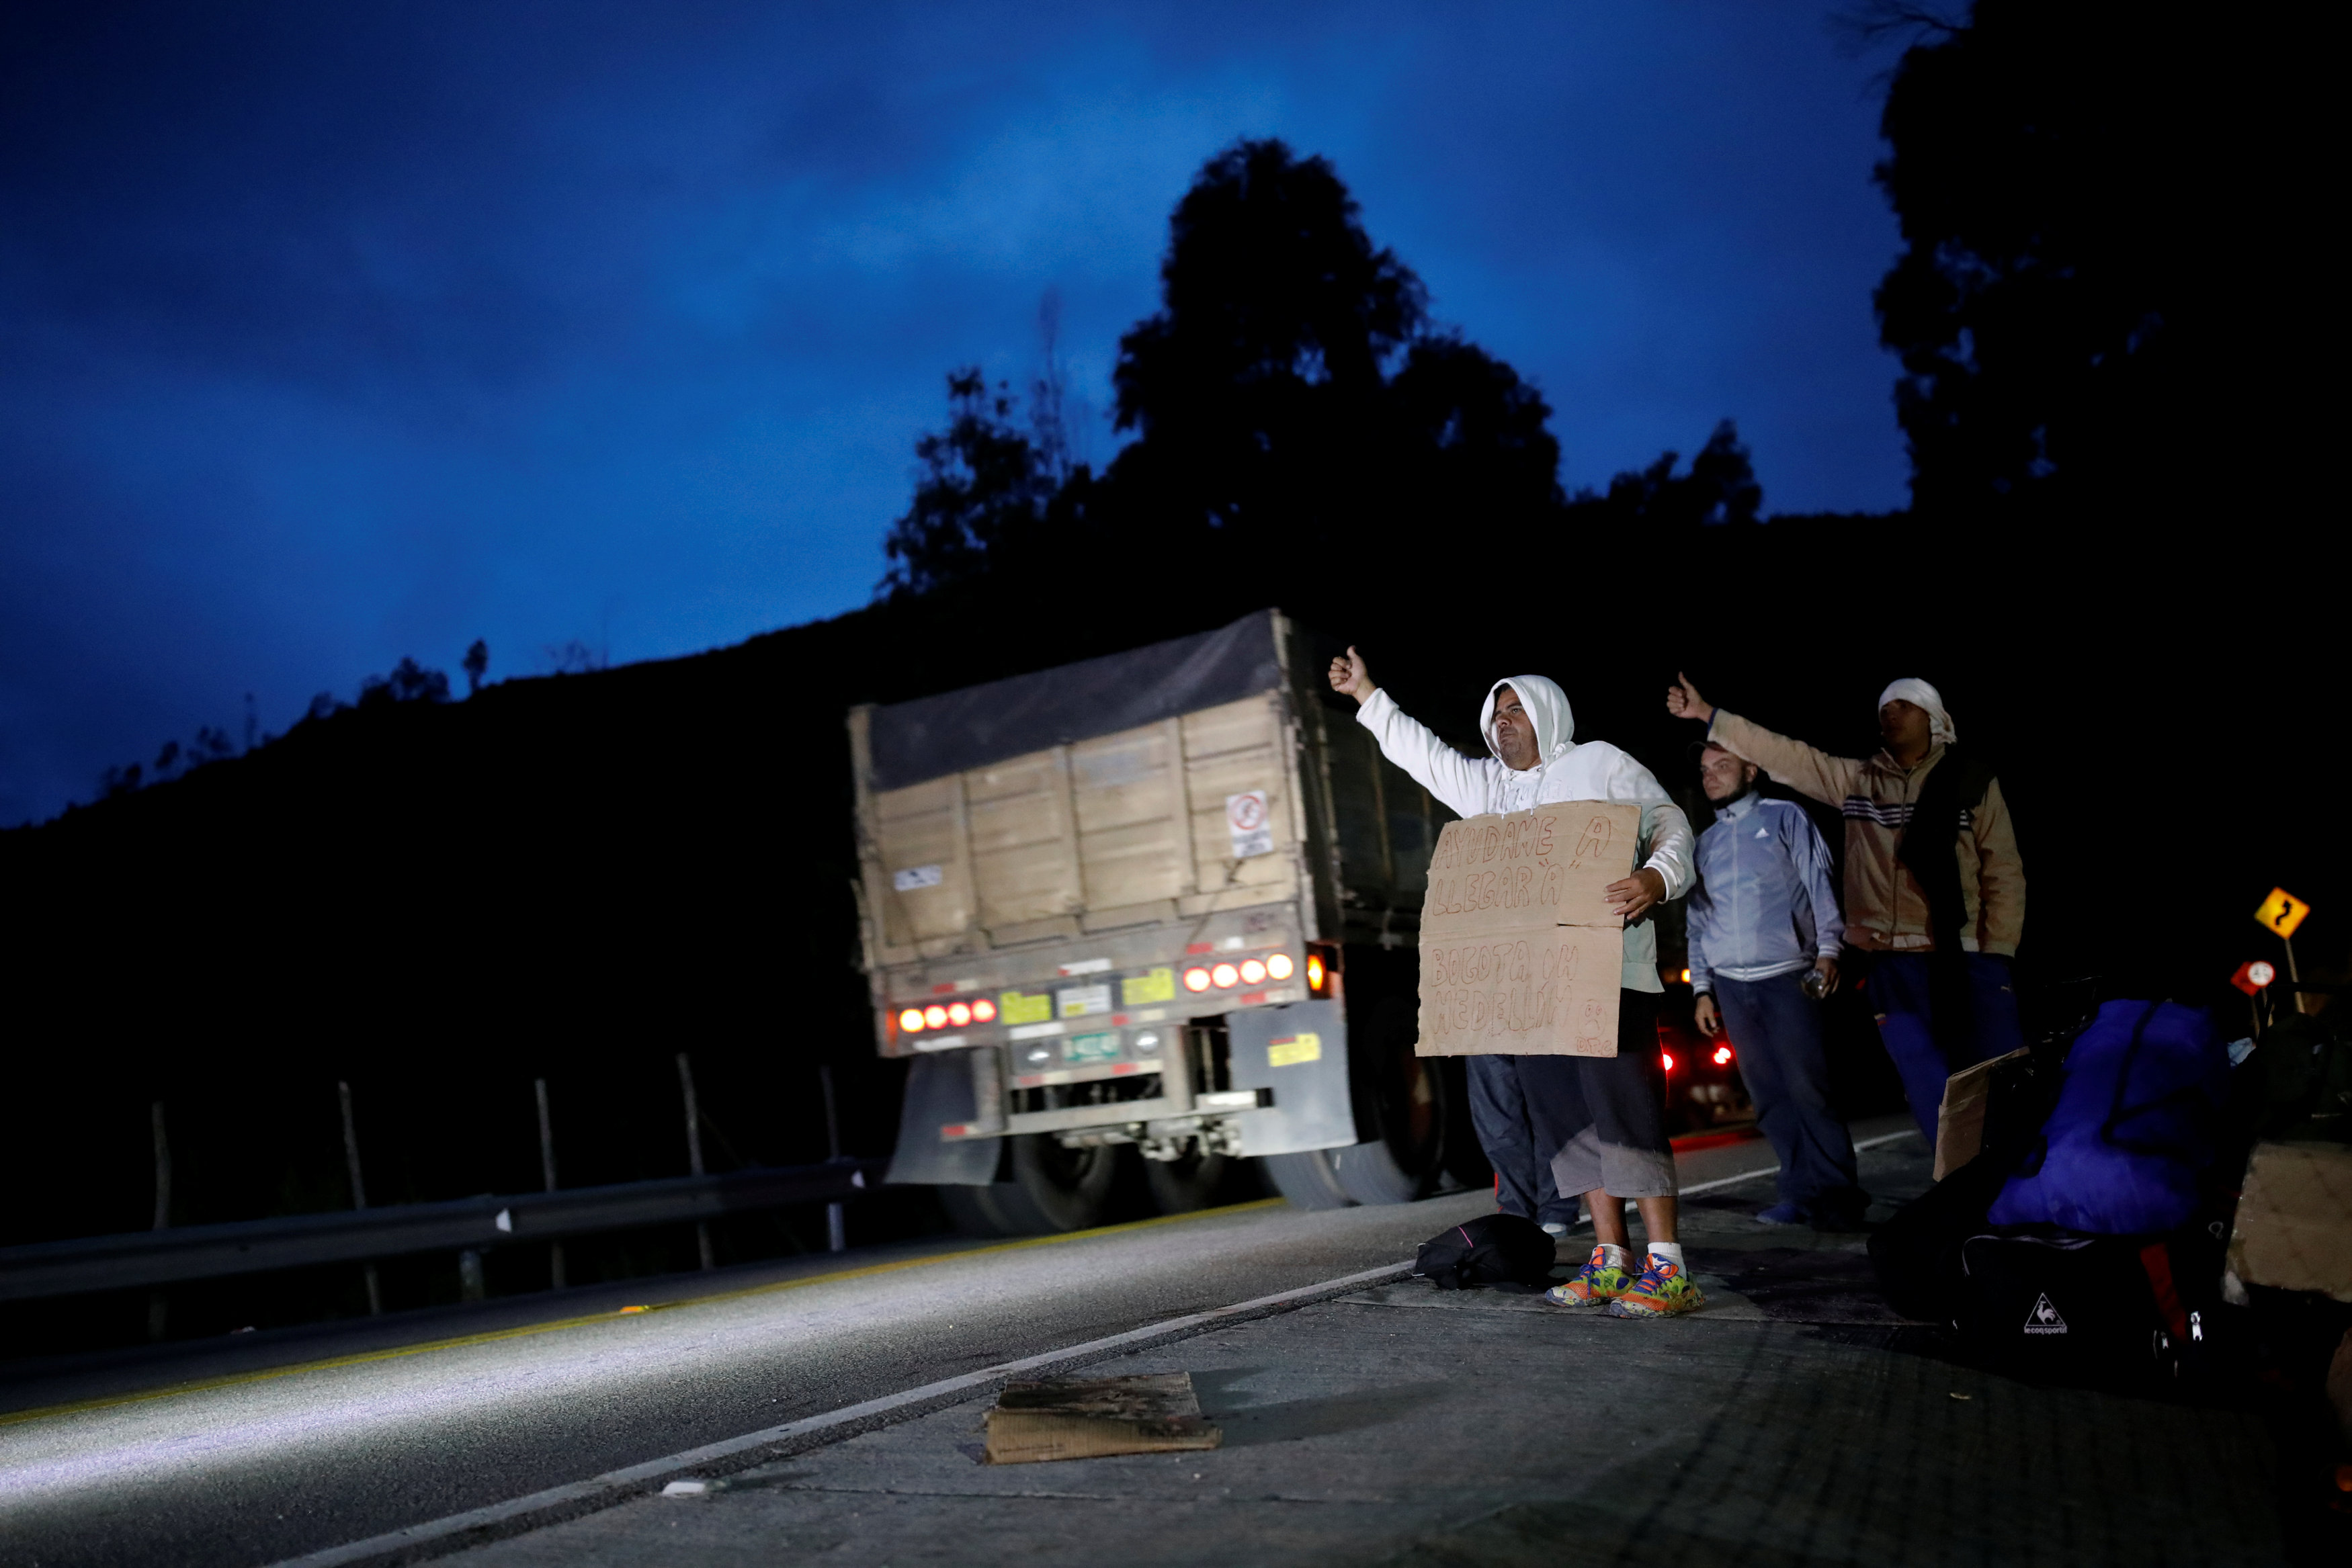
(334, 333)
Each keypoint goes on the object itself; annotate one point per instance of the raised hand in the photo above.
(1683, 700)
(1349, 676)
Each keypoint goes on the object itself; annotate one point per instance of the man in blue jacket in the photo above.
(1764, 921)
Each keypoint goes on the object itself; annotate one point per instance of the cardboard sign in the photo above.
(2294, 1225)
(1959, 1121)
(1519, 953)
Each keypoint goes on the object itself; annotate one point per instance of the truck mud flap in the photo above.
(939, 1094)
(1299, 1054)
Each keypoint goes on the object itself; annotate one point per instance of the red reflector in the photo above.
(984, 1011)
(935, 1016)
(911, 1021)
(1668, 1058)
(959, 1014)
(1723, 1056)
(1225, 975)
(1199, 948)
(1196, 979)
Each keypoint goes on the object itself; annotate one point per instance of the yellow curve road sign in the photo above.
(2281, 913)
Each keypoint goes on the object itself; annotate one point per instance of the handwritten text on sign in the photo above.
(1519, 953)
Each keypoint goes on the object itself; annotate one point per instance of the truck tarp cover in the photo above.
(931, 737)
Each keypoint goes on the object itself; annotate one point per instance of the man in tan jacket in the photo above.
(1934, 888)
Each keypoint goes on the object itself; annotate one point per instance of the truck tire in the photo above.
(1308, 1180)
(1408, 1096)
(1053, 1189)
(1193, 1182)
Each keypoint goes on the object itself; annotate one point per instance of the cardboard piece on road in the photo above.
(2294, 1228)
(1518, 951)
(1086, 1419)
(1959, 1121)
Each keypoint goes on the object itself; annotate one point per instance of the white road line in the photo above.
(634, 1477)
(1774, 1169)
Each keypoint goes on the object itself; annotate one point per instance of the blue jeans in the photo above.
(1775, 1038)
(1898, 995)
(1498, 1111)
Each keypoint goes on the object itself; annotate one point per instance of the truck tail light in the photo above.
(984, 1010)
(1225, 975)
(935, 1017)
(1322, 968)
(959, 1014)
(1279, 965)
(911, 1021)
(1723, 1056)
(1196, 979)
(1667, 1058)
(1253, 972)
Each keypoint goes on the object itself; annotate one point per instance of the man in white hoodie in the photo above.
(1603, 1118)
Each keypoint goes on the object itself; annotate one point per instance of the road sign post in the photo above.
(2280, 914)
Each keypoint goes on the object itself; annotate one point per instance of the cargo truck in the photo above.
(1161, 903)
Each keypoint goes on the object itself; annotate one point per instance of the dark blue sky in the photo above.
(334, 333)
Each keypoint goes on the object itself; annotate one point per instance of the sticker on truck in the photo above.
(1014, 1007)
(915, 877)
(1292, 1049)
(1142, 990)
(1083, 1001)
(1249, 824)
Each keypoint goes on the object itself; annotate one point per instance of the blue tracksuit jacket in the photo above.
(1766, 905)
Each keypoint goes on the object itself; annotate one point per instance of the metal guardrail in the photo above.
(142, 1258)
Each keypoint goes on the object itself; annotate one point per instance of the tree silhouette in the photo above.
(1721, 487)
(477, 665)
(2094, 274)
(1289, 391)
(1258, 389)
(982, 486)
(408, 682)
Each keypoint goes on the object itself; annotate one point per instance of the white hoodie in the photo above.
(1595, 770)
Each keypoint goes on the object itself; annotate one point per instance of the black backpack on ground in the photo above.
(1494, 1249)
(2102, 1311)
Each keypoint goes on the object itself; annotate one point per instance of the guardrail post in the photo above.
(835, 1229)
(694, 1153)
(359, 1192)
(547, 1169)
(158, 1305)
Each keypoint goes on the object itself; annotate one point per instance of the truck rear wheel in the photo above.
(1193, 1181)
(1051, 1189)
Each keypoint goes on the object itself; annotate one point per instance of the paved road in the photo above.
(248, 1453)
(1794, 1423)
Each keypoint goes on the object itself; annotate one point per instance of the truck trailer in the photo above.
(1164, 901)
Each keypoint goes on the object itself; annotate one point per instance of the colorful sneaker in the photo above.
(1597, 1284)
(1663, 1291)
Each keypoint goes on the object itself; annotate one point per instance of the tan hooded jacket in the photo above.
(1886, 908)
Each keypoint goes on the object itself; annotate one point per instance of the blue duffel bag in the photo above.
(2134, 1124)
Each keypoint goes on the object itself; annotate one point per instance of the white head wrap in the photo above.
(1547, 708)
(1920, 693)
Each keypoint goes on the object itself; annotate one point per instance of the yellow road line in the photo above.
(16, 1418)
